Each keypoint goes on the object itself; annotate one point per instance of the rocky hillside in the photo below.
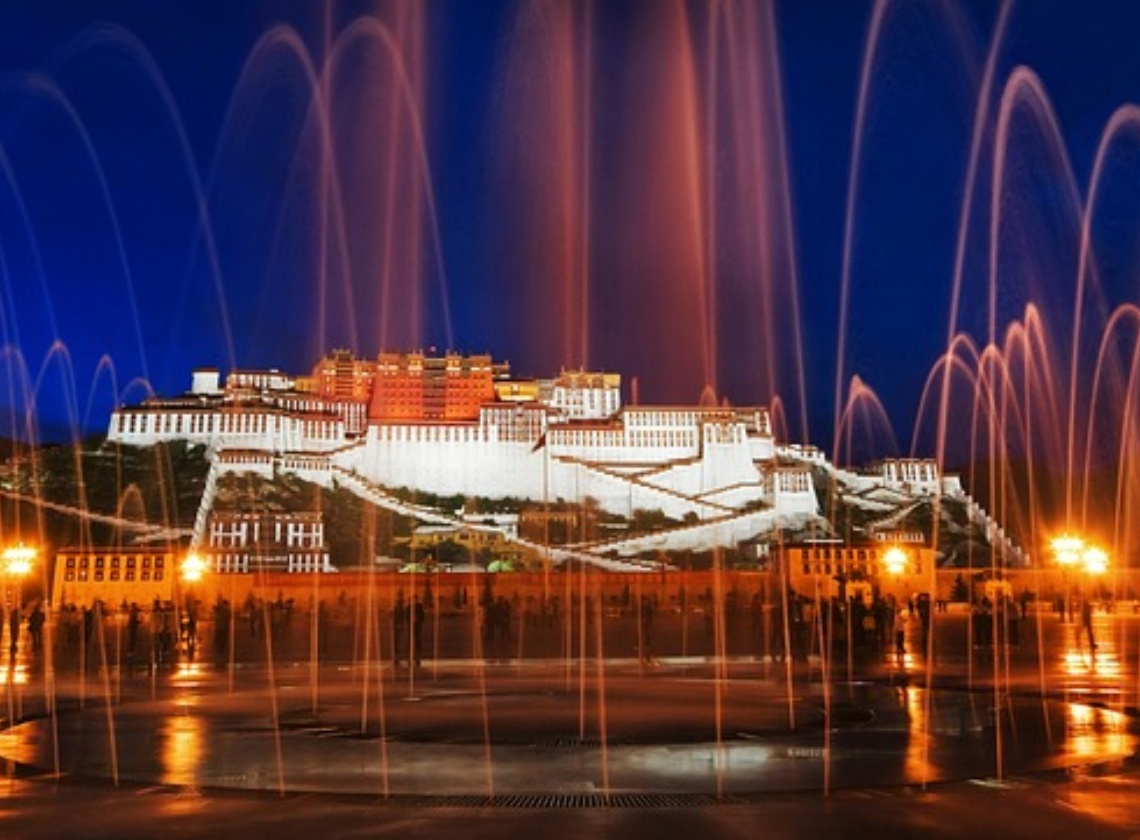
(99, 493)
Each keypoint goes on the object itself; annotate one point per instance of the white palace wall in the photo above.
(465, 460)
(218, 430)
(470, 460)
(679, 460)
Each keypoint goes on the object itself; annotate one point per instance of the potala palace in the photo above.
(462, 425)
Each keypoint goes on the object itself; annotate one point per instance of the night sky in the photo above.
(654, 188)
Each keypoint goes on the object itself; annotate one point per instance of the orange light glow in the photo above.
(18, 559)
(895, 560)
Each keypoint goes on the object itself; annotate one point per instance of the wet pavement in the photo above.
(1035, 743)
(538, 730)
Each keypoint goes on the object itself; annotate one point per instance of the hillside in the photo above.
(356, 531)
(962, 540)
(101, 493)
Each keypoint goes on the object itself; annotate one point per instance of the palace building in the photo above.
(454, 425)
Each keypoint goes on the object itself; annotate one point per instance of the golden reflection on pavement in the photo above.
(182, 749)
(901, 665)
(187, 670)
(14, 673)
(917, 764)
(1101, 665)
(1109, 799)
(1094, 733)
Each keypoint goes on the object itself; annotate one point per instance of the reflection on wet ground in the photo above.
(691, 726)
(511, 730)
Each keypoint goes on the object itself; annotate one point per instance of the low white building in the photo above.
(238, 542)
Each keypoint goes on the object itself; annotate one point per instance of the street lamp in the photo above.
(1073, 552)
(895, 561)
(191, 571)
(1067, 550)
(193, 568)
(1095, 560)
(18, 560)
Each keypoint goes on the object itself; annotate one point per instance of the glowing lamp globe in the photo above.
(895, 561)
(1096, 561)
(18, 560)
(193, 567)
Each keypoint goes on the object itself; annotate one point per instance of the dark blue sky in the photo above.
(103, 250)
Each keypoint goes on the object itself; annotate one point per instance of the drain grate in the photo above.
(563, 800)
(575, 741)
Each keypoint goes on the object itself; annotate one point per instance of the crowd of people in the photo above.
(407, 627)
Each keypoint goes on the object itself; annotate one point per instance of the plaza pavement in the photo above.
(1094, 798)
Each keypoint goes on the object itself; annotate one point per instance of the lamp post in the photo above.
(1067, 551)
(1074, 553)
(193, 568)
(1095, 561)
(895, 561)
(18, 560)
(191, 572)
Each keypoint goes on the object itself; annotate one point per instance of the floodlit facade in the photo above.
(458, 425)
(113, 575)
(239, 542)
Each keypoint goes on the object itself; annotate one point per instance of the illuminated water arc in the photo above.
(125, 40)
(320, 85)
(944, 368)
(25, 220)
(583, 258)
(776, 74)
(1025, 88)
(44, 86)
(104, 367)
(1122, 316)
(371, 27)
(138, 384)
(977, 135)
(1124, 118)
(287, 40)
(860, 396)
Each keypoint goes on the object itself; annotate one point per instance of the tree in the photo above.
(960, 591)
